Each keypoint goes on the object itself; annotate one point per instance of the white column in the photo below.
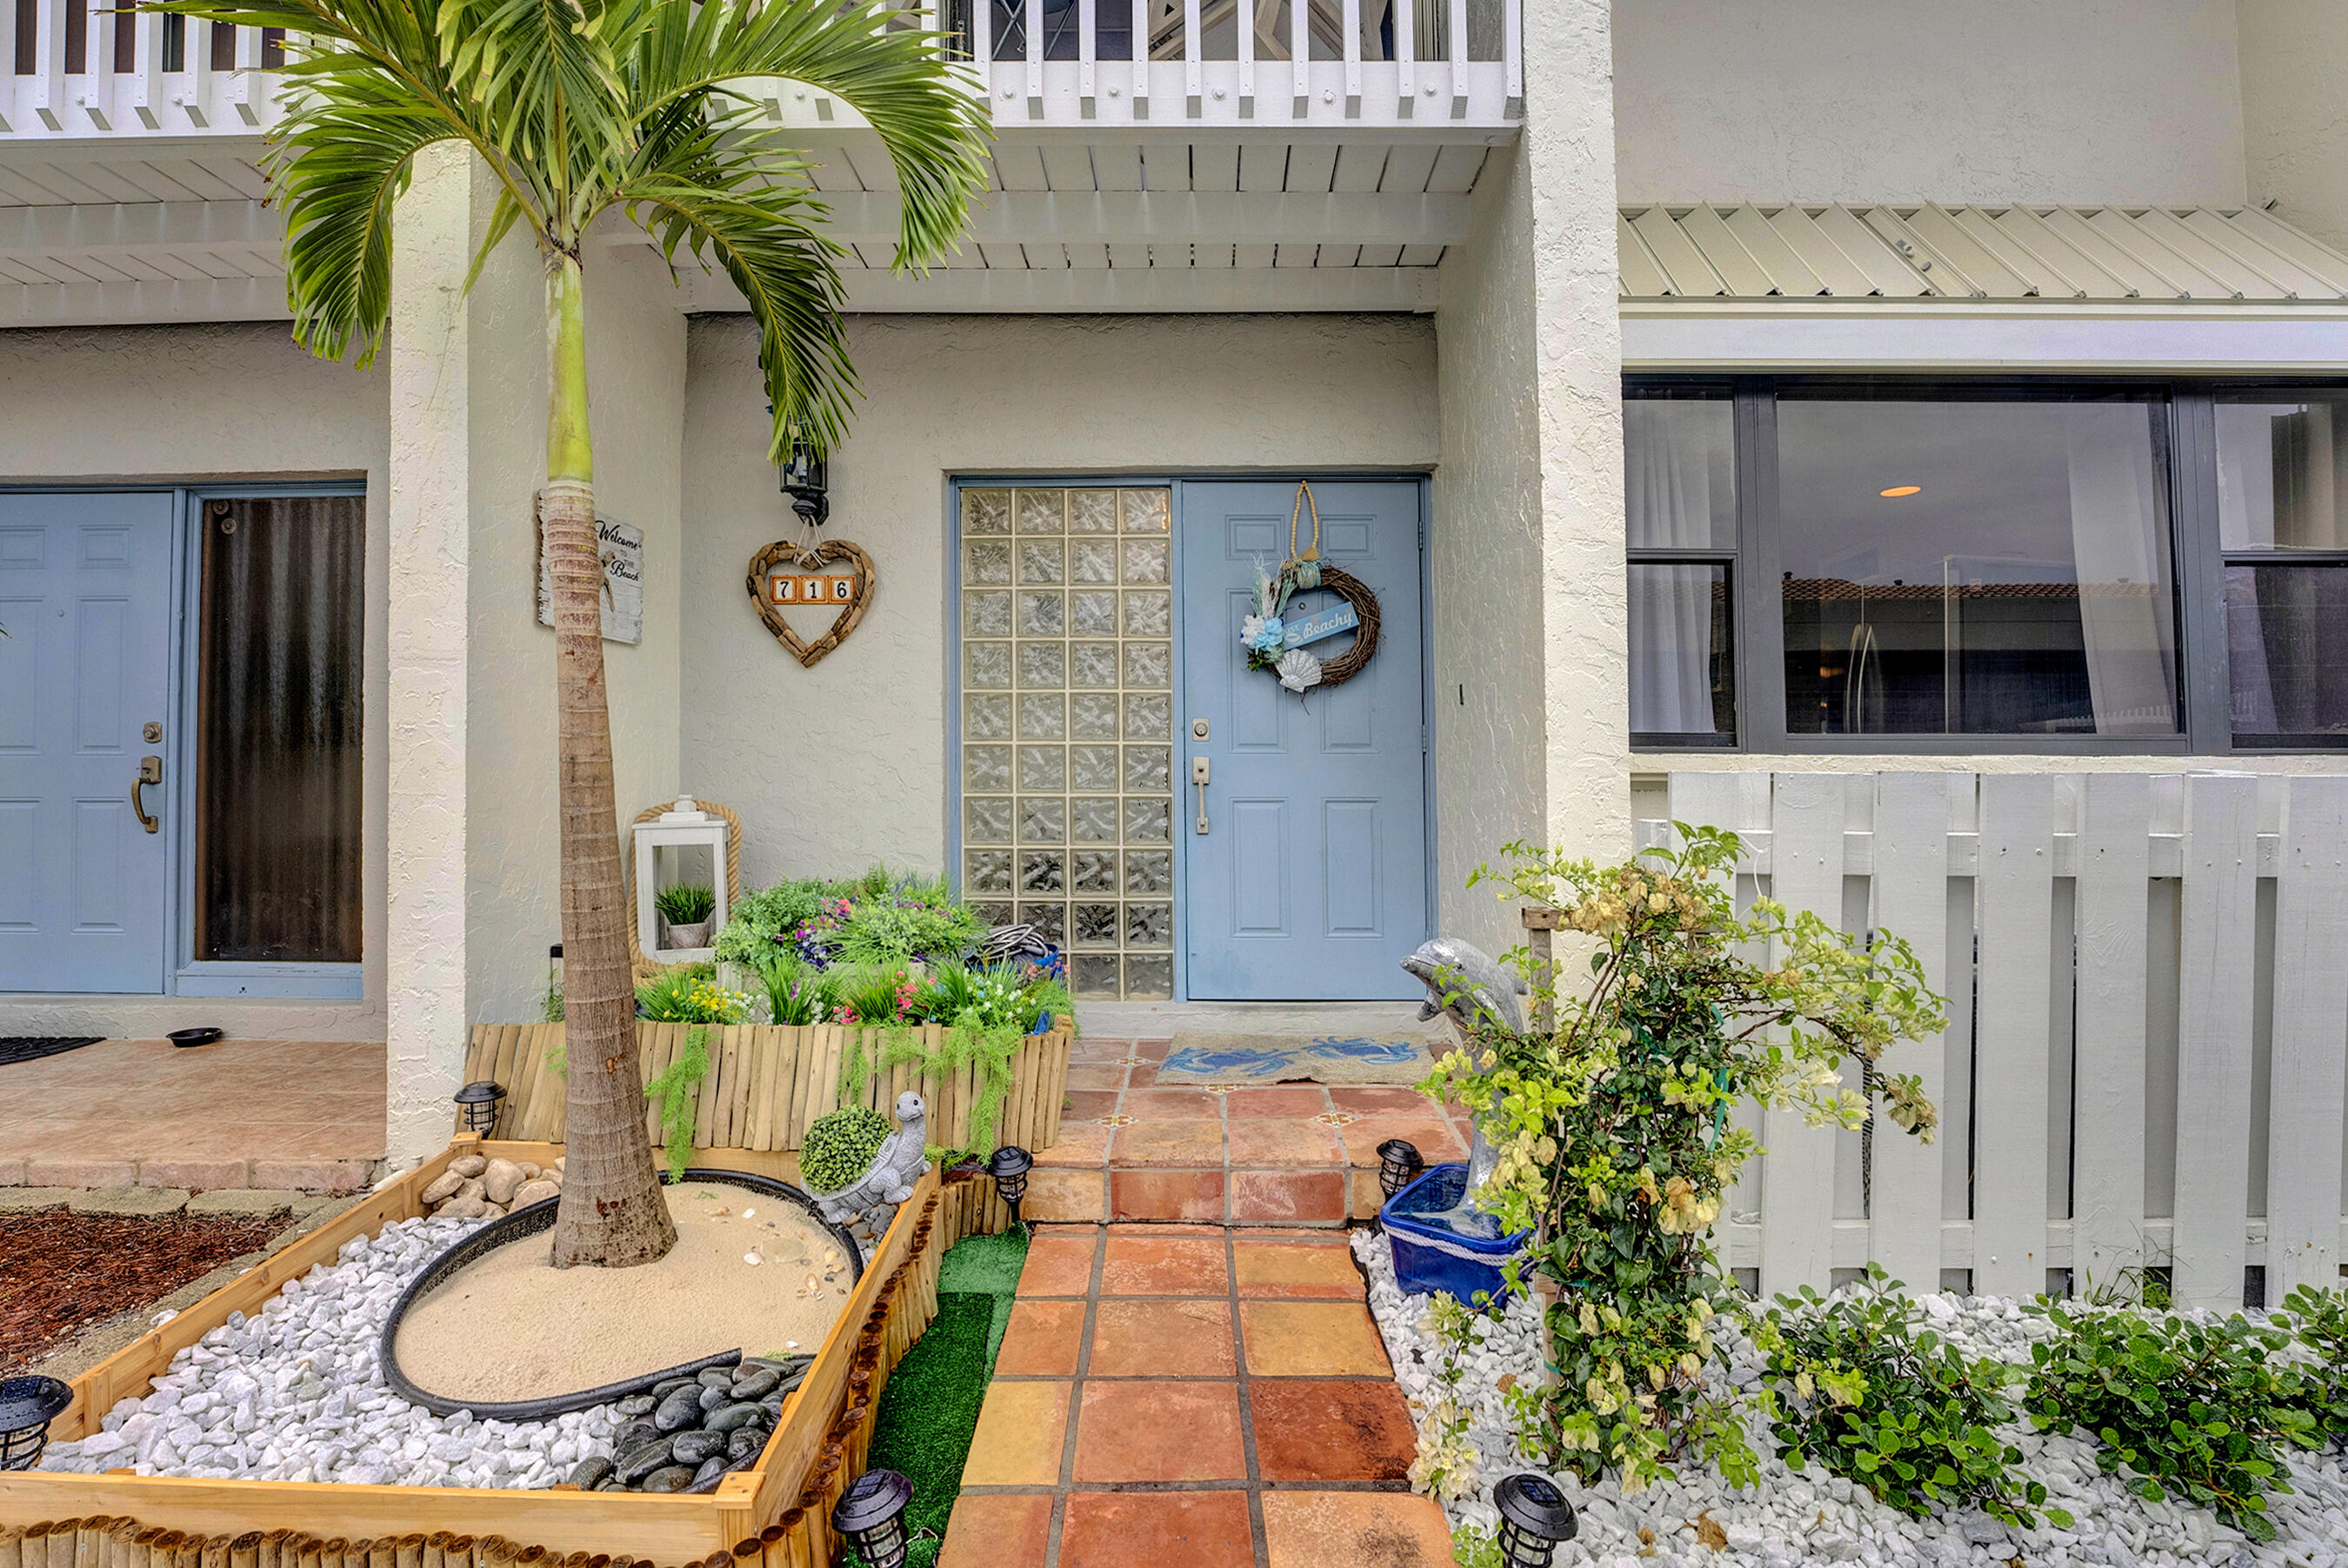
(425, 959)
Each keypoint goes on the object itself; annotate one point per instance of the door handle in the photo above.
(150, 771)
(1199, 778)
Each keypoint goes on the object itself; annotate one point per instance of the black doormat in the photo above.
(33, 1048)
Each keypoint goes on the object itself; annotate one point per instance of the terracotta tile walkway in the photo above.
(1291, 1154)
(1191, 1396)
(242, 1113)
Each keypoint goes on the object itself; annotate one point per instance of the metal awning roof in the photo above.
(1928, 252)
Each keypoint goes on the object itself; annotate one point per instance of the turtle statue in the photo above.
(1467, 985)
(888, 1180)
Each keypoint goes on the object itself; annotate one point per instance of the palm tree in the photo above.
(578, 107)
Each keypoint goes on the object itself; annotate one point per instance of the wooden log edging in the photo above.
(115, 1541)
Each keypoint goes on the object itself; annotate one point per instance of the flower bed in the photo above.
(817, 1447)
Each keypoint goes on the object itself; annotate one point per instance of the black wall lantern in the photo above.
(1009, 1167)
(478, 1101)
(27, 1406)
(872, 1515)
(1534, 1517)
(803, 481)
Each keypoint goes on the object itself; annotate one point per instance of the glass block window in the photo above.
(1068, 734)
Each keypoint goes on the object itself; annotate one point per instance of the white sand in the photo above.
(511, 1326)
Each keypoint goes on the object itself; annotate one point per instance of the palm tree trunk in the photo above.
(611, 1214)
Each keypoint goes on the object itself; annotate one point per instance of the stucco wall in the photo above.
(635, 367)
(2077, 101)
(188, 404)
(839, 765)
(2294, 56)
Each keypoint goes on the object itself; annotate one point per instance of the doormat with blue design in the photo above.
(1199, 1057)
(33, 1048)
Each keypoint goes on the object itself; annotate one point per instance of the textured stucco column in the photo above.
(1569, 177)
(430, 548)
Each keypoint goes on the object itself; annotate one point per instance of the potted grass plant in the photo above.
(687, 909)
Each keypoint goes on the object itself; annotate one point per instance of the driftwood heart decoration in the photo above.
(786, 554)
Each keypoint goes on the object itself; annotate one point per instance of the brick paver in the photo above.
(1131, 1149)
(1221, 1398)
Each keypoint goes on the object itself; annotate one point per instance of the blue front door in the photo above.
(1307, 872)
(86, 597)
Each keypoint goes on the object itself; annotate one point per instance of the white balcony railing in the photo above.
(85, 69)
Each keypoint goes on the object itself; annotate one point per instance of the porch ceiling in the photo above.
(1703, 252)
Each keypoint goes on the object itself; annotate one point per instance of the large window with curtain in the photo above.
(1832, 564)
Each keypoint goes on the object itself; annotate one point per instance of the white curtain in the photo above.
(2124, 600)
(1671, 450)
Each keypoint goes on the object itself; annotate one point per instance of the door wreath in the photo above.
(1276, 638)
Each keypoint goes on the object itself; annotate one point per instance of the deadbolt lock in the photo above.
(152, 733)
(1199, 728)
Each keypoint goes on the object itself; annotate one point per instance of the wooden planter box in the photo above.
(766, 1082)
(777, 1511)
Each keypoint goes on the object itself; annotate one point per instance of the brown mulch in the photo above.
(61, 1273)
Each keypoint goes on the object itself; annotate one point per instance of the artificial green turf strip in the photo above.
(930, 1409)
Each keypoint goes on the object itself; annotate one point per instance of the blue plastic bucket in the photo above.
(1431, 1257)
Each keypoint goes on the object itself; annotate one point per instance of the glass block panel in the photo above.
(985, 511)
(1148, 822)
(1145, 562)
(1093, 560)
(1095, 717)
(1043, 770)
(987, 819)
(1093, 767)
(1041, 561)
(1147, 511)
(1092, 615)
(1067, 600)
(1150, 926)
(985, 769)
(1043, 666)
(1043, 718)
(1043, 871)
(986, 562)
(1093, 820)
(987, 614)
(1149, 769)
(1150, 979)
(1041, 616)
(1149, 871)
(1149, 718)
(1148, 664)
(1149, 613)
(986, 664)
(1095, 974)
(986, 718)
(1091, 511)
(1093, 665)
(1042, 511)
(1043, 820)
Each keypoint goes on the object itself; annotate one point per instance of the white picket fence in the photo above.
(2147, 1041)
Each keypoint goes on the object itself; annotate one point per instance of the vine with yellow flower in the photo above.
(1615, 1132)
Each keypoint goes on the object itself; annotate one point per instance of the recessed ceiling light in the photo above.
(1895, 492)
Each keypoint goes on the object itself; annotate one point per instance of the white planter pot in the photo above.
(684, 937)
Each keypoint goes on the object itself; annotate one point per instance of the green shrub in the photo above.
(2201, 1410)
(2318, 1319)
(751, 930)
(915, 920)
(839, 1146)
(1858, 1386)
(687, 994)
(686, 903)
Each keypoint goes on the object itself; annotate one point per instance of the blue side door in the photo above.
(86, 597)
(1308, 880)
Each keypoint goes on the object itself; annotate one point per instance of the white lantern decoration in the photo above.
(673, 837)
